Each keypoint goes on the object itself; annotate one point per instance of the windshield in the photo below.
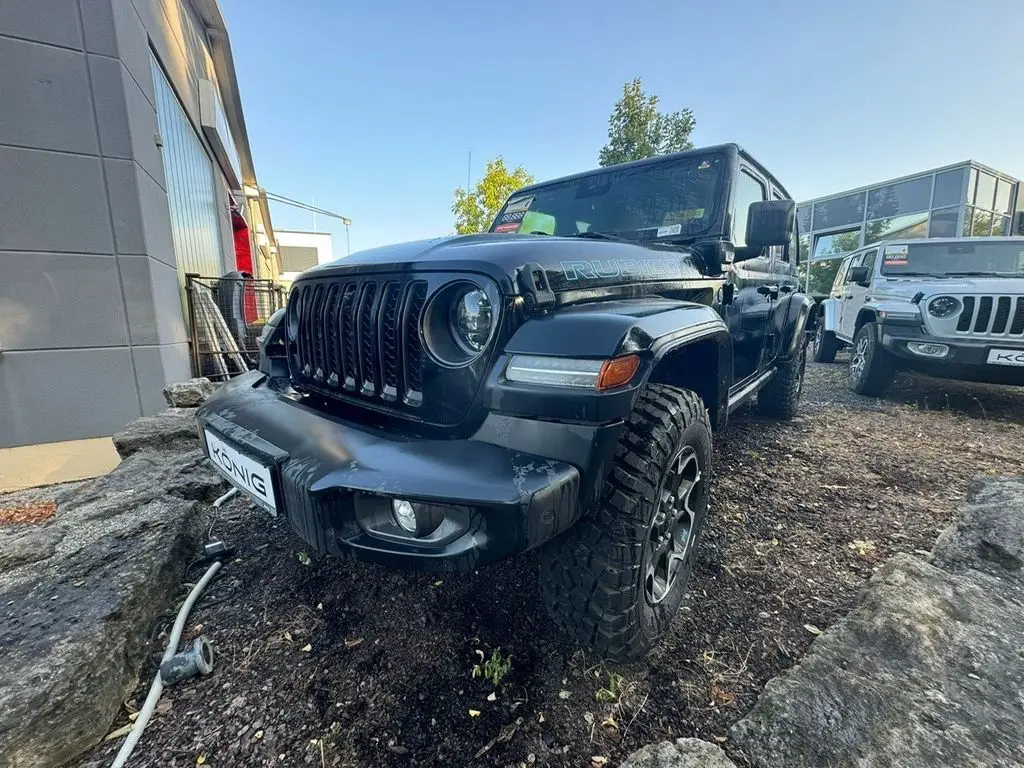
(675, 199)
(966, 258)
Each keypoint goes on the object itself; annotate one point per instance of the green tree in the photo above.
(637, 129)
(475, 209)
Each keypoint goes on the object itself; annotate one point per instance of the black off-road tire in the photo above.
(872, 369)
(780, 397)
(825, 344)
(599, 578)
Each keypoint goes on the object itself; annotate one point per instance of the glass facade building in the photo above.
(966, 199)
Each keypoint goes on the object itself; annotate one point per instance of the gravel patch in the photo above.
(333, 663)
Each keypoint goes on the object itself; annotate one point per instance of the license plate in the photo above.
(1006, 357)
(245, 473)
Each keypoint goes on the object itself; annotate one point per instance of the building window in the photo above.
(803, 218)
(985, 192)
(839, 211)
(1004, 197)
(901, 198)
(836, 244)
(896, 227)
(949, 186)
(191, 194)
(943, 222)
(977, 223)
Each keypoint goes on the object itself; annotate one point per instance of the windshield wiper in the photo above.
(599, 236)
(977, 274)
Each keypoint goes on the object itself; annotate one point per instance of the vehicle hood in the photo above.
(569, 263)
(907, 288)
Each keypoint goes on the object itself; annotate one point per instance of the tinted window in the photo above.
(839, 211)
(986, 191)
(948, 188)
(1004, 196)
(896, 228)
(836, 244)
(748, 190)
(943, 223)
(896, 199)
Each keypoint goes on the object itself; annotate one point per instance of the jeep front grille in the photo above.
(359, 337)
(991, 316)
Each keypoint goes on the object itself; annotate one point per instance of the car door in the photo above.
(748, 315)
(853, 295)
(784, 266)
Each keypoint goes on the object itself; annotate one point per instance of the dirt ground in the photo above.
(328, 663)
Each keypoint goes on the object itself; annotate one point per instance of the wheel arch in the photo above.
(866, 315)
(701, 361)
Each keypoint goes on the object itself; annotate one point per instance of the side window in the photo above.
(869, 261)
(841, 273)
(748, 190)
(856, 261)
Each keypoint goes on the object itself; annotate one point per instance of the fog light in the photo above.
(927, 349)
(405, 515)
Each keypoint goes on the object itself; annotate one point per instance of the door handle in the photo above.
(848, 296)
(768, 290)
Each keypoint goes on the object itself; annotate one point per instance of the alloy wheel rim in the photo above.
(859, 357)
(819, 339)
(670, 539)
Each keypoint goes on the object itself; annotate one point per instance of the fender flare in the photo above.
(793, 315)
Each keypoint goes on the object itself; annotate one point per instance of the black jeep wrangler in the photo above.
(553, 383)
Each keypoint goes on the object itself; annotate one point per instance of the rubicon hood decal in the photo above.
(658, 268)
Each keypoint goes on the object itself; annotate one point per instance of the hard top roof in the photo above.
(730, 148)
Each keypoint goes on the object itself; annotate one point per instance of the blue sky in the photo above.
(370, 108)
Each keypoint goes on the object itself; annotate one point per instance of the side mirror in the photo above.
(770, 222)
(860, 276)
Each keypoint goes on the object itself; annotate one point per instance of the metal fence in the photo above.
(226, 316)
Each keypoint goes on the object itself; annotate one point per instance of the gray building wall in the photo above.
(91, 318)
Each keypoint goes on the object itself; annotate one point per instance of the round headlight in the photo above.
(943, 306)
(471, 320)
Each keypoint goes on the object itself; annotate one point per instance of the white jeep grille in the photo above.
(991, 316)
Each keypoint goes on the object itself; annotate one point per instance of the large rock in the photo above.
(172, 429)
(928, 670)
(79, 595)
(190, 393)
(989, 533)
(681, 753)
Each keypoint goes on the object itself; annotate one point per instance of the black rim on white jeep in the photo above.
(670, 540)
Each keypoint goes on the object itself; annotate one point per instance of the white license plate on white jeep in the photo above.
(245, 473)
(1006, 357)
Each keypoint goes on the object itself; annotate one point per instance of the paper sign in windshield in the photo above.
(672, 229)
(896, 255)
(519, 204)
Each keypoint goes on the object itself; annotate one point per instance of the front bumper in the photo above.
(966, 359)
(334, 480)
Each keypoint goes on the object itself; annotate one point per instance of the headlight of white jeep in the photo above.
(944, 306)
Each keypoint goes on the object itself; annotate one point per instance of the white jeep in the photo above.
(946, 307)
